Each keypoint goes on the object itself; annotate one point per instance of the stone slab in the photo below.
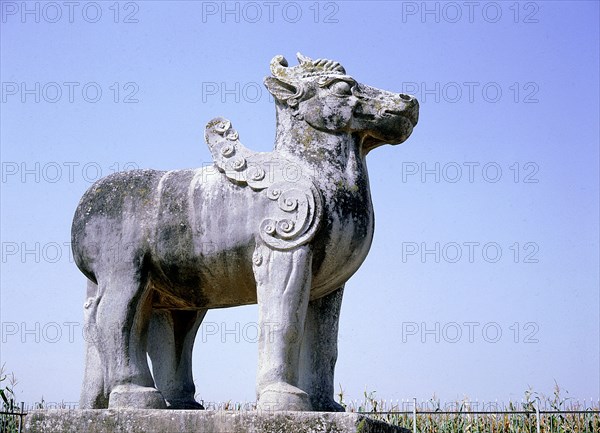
(188, 421)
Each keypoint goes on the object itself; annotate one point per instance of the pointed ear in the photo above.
(279, 89)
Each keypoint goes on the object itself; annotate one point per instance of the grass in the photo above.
(8, 423)
(458, 417)
(432, 417)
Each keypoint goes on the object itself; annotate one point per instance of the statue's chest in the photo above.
(349, 216)
(344, 239)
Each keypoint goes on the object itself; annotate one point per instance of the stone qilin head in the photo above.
(320, 93)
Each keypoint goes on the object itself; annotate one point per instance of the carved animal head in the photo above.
(323, 95)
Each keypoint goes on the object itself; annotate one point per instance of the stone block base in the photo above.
(191, 421)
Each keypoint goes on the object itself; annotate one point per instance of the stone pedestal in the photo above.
(188, 421)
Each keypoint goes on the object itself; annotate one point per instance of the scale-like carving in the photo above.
(294, 217)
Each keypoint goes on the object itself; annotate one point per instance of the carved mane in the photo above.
(307, 68)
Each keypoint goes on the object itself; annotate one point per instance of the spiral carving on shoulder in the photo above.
(296, 204)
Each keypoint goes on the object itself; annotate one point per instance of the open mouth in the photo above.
(363, 115)
(407, 114)
(400, 132)
(393, 112)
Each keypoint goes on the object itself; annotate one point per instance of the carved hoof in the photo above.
(327, 405)
(184, 404)
(136, 397)
(91, 400)
(283, 396)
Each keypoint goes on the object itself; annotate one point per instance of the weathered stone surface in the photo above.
(188, 421)
(285, 229)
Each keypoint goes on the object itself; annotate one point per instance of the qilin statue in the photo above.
(286, 230)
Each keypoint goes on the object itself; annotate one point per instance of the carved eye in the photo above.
(356, 91)
(341, 88)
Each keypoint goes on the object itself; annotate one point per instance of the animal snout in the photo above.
(411, 107)
(408, 100)
(407, 107)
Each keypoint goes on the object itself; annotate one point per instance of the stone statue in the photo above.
(285, 229)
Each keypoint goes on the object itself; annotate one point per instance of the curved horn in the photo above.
(278, 66)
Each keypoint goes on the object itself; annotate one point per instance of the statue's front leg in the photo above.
(283, 281)
(319, 351)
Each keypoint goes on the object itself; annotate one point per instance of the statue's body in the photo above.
(284, 229)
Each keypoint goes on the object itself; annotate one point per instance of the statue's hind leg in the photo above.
(170, 343)
(122, 322)
(319, 351)
(93, 393)
(283, 286)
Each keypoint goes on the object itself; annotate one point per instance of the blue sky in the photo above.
(483, 276)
